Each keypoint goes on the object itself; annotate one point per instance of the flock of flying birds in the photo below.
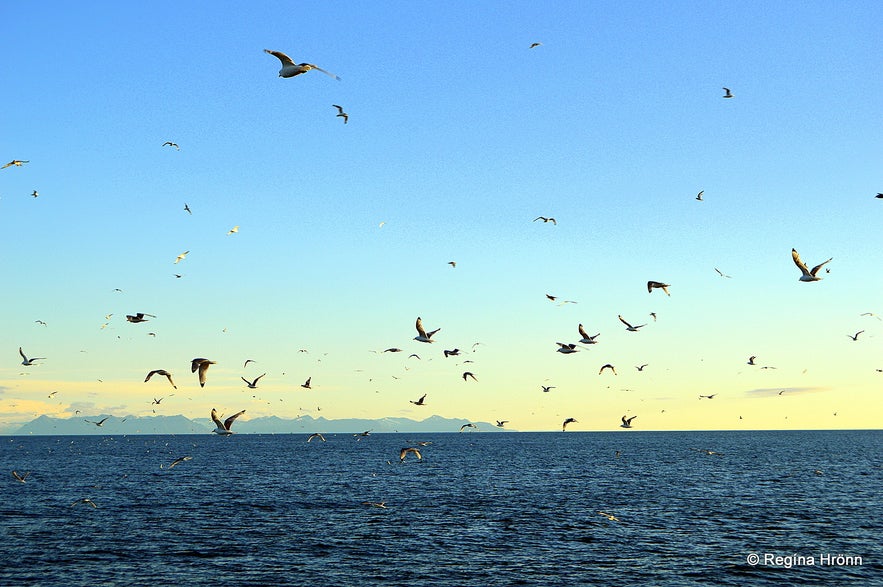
(201, 365)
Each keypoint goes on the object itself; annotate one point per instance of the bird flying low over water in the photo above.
(410, 450)
(544, 219)
(500, 423)
(291, 69)
(176, 462)
(627, 422)
(14, 162)
(422, 336)
(651, 285)
(566, 422)
(315, 435)
(610, 517)
(465, 426)
(202, 365)
(586, 339)
(223, 428)
(99, 423)
(28, 362)
(252, 384)
(162, 372)
(420, 401)
(341, 113)
(138, 317)
(85, 500)
(20, 478)
(807, 275)
(628, 326)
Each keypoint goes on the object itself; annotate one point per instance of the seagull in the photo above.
(177, 461)
(871, 314)
(393, 350)
(728, 93)
(156, 402)
(224, 427)
(566, 422)
(35, 194)
(708, 396)
(29, 362)
(453, 264)
(40, 322)
(607, 366)
(247, 361)
(544, 219)
(452, 353)
(419, 402)
(627, 422)
(376, 504)
(162, 372)
(501, 422)
(291, 69)
(628, 326)
(641, 367)
(654, 316)
(342, 114)
(586, 339)
(807, 274)
(723, 274)
(415, 355)
(315, 435)
(751, 360)
(15, 162)
(855, 336)
(404, 452)
(567, 348)
(202, 365)
(551, 297)
(699, 195)
(187, 209)
(85, 500)
(610, 517)
(706, 451)
(184, 254)
(171, 144)
(469, 374)
(252, 384)
(470, 425)
(138, 317)
(534, 45)
(233, 230)
(421, 334)
(99, 423)
(306, 384)
(547, 388)
(20, 478)
(651, 285)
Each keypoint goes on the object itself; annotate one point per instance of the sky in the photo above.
(459, 136)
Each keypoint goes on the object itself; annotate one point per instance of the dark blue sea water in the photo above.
(481, 509)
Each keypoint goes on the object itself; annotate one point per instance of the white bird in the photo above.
(184, 254)
(85, 500)
(567, 348)
(29, 362)
(404, 452)
(176, 462)
(202, 365)
(586, 339)
(465, 426)
(807, 274)
(162, 372)
(628, 326)
(20, 478)
(422, 336)
(627, 422)
(233, 230)
(224, 427)
(610, 517)
(252, 384)
(14, 162)
(316, 435)
(651, 285)
(291, 69)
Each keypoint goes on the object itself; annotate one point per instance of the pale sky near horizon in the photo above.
(459, 136)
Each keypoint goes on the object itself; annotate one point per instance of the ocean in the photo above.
(767, 508)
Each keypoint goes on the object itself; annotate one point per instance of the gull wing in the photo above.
(582, 332)
(819, 266)
(800, 264)
(217, 420)
(285, 59)
(24, 358)
(621, 319)
(229, 421)
(328, 73)
(419, 326)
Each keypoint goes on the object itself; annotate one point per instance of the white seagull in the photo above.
(422, 336)
(202, 365)
(291, 69)
(627, 422)
(567, 348)
(162, 372)
(628, 326)
(586, 339)
(807, 274)
(252, 384)
(224, 427)
(29, 362)
(651, 285)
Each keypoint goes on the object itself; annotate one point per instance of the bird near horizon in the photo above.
(291, 69)
(223, 428)
(568, 421)
(409, 450)
(254, 383)
(315, 435)
(29, 362)
(501, 423)
(99, 423)
(162, 372)
(177, 462)
(469, 425)
(202, 366)
(807, 275)
(419, 402)
(627, 422)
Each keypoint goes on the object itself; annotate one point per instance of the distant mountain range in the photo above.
(48, 426)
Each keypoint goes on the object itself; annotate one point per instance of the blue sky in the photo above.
(459, 135)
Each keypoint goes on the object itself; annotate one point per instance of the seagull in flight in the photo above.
(341, 113)
(610, 517)
(544, 219)
(452, 353)
(566, 422)
(855, 336)
(453, 264)
(85, 500)
(202, 365)
(404, 452)
(187, 209)
(627, 422)
(807, 274)
(723, 274)
(184, 254)
(420, 401)
(651, 285)
(306, 384)
(291, 69)
(162, 372)
(607, 366)
(138, 317)
(252, 384)
(751, 360)
(699, 195)
(465, 426)
(15, 162)
(224, 427)
(171, 144)
(29, 362)
(728, 94)
(177, 461)
(567, 348)
(99, 423)
(547, 388)
(641, 367)
(500, 423)
(708, 396)
(315, 435)
(469, 374)
(534, 45)
(233, 230)
(20, 478)
(422, 336)
(586, 339)
(628, 326)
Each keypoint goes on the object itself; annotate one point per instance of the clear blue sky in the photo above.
(459, 135)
